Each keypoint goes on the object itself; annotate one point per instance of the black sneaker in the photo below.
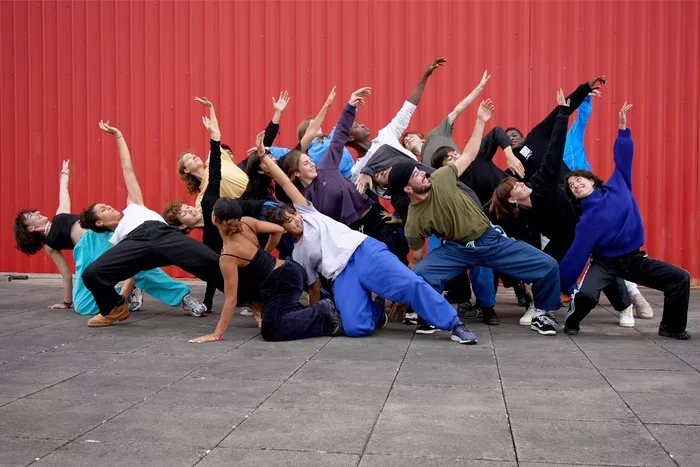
(543, 325)
(335, 323)
(383, 320)
(683, 335)
(465, 308)
(570, 331)
(410, 318)
(425, 327)
(490, 317)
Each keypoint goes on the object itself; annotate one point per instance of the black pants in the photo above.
(283, 317)
(459, 289)
(151, 245)
(373, 225)
(635, 267)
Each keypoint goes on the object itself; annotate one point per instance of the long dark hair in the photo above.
(260, 185)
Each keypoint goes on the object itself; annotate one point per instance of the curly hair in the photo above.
(171, 213)
(191, 182)
(27, 242)
(88, 219)
(499, 203)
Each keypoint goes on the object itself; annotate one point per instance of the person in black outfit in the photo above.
(544, 208)
(142, 240)
(531, 149)
(281, 282)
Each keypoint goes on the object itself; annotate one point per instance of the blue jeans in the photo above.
(373, 268)
(499, 253)
(481, 279)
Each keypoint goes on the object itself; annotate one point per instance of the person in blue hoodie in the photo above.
(611, 231)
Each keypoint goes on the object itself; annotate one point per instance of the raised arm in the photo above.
(574, 151)
(549, 171)
(132, 184)
(341, 131)
(467, 101)
(63, 268)
(624, 148)
(278, 175)
(63, 193)
(417, 93)
(316, 123)
(576, 98)
(214, 166)
(229, 269)
(483, 115)
(275, 231)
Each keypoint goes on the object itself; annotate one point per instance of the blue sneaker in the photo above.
(463, 335)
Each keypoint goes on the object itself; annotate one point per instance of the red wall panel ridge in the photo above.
(64, 65)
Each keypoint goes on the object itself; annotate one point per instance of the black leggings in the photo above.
(283, 317)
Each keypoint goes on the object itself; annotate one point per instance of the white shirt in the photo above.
(326, 245)
(390, 135)
(134, 216)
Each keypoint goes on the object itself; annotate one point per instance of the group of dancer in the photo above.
(536, 227)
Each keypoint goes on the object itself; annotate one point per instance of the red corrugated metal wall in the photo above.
(66, 65)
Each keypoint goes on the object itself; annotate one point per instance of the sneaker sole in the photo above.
(460, 341)
(410, 322)
(426, 332)
(626, 325)
(525, 323)
(543, 333)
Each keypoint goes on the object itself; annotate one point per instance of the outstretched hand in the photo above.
(358, 97)
(623, 115)
(484, 80)
(259, 145)
(486, 110)
(204, 339)
(204, 101)
(435, 64)
(595, 93)
(597, 82)
(104, 126)
(66, 167)
(561, 99)
(363, 182)
(58, 306)
(213, 127)
(281, 104)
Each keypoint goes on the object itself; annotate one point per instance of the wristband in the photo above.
(68, 304)
(219, 336)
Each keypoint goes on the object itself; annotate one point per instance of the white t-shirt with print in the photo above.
(326, 245)
(390, 135)
(134, 216)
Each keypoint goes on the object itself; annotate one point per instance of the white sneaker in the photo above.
(135, 299)
(245, 311)
(193, 306)
(626, 318)
(642, 309)
(526, 319)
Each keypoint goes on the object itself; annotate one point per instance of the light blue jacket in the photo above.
(317, 149)
(574, 152)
